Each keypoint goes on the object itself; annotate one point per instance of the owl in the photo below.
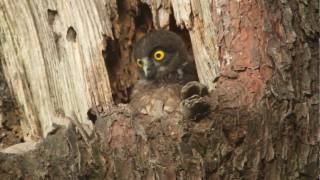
(164, 66)
(162, 56)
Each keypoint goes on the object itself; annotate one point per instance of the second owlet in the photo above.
(164, 66)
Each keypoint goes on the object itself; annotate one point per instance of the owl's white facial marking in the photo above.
(148, 68)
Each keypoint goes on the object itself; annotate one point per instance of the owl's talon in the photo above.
(193, 88)
(195, 107)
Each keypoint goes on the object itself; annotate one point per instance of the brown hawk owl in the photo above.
(164, 66)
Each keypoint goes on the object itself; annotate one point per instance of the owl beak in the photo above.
(147, 67)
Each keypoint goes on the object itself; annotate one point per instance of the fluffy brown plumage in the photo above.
(164, 66)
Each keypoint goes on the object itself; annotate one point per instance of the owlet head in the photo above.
(159, 53)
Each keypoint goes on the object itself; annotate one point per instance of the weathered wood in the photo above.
(52, 58)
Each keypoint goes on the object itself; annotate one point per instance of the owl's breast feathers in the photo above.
(155, 99)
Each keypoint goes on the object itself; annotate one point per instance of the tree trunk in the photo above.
(52, 58)
(64, 60)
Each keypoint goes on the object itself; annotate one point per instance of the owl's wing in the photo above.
(189, 70)
(155, 100)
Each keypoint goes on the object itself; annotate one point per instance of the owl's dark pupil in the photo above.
(158, 55)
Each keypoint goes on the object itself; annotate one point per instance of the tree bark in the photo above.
(52, 59)
(259, 59)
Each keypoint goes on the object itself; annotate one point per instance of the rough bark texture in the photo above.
(260, 59)
(52, 57)
(10, 116)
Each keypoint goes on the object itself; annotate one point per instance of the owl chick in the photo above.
(164, 66)
(163, 56)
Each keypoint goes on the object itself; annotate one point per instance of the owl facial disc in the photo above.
(159, 55)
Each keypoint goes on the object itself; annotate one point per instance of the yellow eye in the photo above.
(159, 55)
(139, 63)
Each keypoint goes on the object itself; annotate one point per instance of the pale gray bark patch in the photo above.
(53, 59)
